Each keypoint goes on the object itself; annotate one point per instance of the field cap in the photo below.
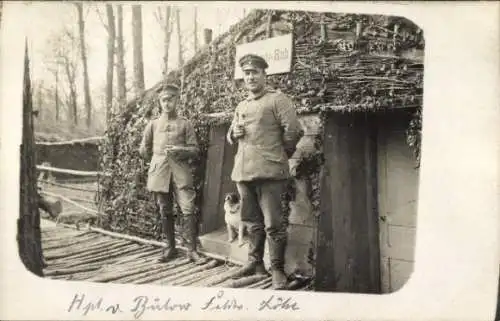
(168, 89)
(252, 61)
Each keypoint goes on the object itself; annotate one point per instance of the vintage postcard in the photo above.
(253, 160)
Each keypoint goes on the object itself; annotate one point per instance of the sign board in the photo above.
(277, 51)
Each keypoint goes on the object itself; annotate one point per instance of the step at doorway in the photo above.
(216, 242)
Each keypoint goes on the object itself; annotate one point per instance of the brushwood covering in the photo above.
(340, 62)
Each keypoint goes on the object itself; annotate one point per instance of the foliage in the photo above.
(338, 72)
(414, 134)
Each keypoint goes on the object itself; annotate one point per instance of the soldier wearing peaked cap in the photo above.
(169, 141)
(253, 61)
(266, 129)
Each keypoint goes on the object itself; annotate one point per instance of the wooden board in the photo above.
(398, 198)
(348, 250)
(212, 185)
(227, 185)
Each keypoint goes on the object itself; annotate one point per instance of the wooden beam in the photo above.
(144, 241)
(69, 171)
(95, 139)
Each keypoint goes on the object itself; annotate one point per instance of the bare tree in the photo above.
(109, 25)
(70, 70)
(39, 100)
(166, 22)
(83, 53)
(137, 49)
(179, 37)
(56, 94)
(195, 24)
(63, 54)
(111, 55)
(120, 58)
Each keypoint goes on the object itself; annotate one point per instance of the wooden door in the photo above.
(397, 197)
(348, 248)
(219, 164)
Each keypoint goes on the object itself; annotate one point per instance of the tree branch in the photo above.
(159, 17)
(99, 15)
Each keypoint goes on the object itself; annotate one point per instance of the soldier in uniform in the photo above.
(267, 130)
(170, 141)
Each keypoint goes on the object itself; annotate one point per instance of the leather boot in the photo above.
(168, 228)
(251, 268)
(191, 236)
(256, 246)
(277, 257)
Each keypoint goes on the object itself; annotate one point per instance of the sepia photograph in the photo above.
(195, 145)
(249, 160)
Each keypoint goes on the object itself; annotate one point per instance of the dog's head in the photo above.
(232, 198)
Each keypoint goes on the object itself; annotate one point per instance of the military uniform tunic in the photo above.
(166, 171)
(272, 131)
(261, 170)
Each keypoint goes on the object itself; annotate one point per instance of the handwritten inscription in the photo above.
(278, 303)
(140, 305)
(221, 303)
(143, 304)
(85, 306)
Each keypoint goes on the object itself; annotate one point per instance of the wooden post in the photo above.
(28, 233)
(269, 31)
(207, 36)
(359, 26)
(394, 37)
(324, 35)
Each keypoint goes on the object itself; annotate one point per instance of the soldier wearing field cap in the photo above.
(170, 141)
(267, 130)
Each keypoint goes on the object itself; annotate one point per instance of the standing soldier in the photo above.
(170, 141)
(267, 130)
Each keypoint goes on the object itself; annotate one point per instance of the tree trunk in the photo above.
(39, 100)
(167, 30)
(28, 233)
(195, 23)
(83, 52)
(56, 98)
(120, 57)
(137, 51)
(111, 56)
(179, 38)
(70, 74)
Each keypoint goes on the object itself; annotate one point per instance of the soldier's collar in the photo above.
(168, 116)
(251, 96)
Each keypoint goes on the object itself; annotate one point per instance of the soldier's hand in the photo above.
(178, 152)
(238, 131)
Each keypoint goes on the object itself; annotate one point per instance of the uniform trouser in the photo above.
(261, 211)
(185, 197)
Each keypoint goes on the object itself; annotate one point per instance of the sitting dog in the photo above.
(232, 216)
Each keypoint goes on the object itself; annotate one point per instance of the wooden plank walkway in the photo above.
(85, 255)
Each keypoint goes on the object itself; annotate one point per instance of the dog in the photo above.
(232, 216)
